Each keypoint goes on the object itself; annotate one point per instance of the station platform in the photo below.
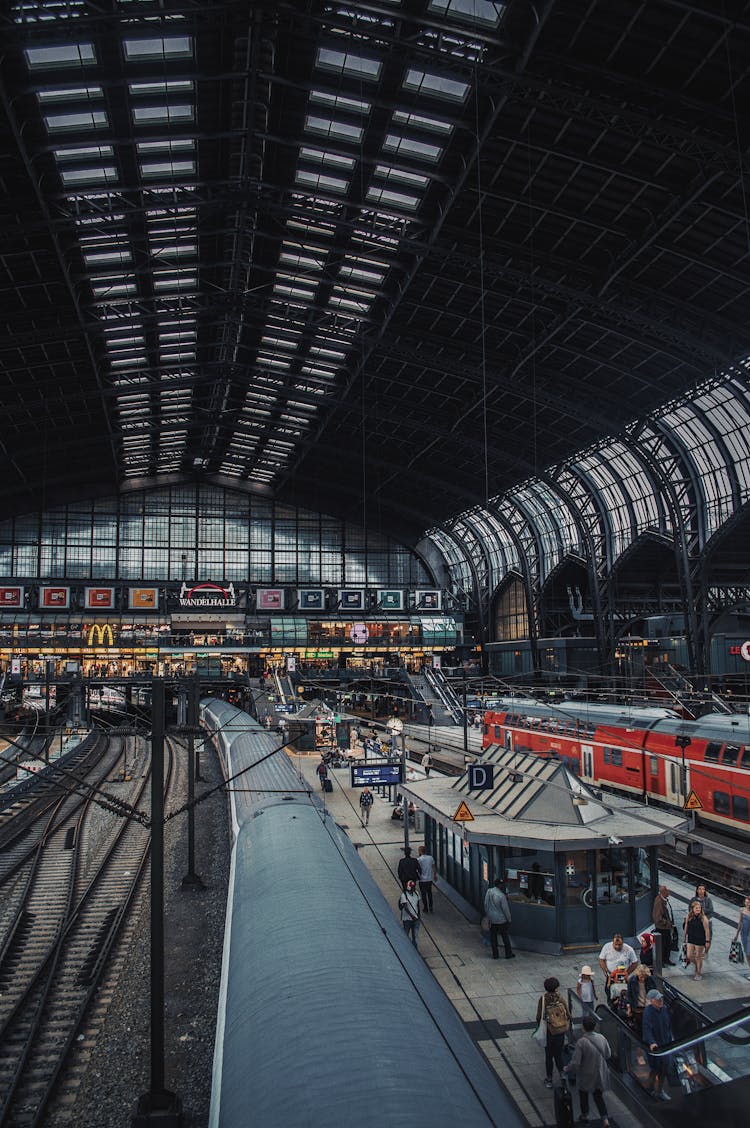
(497, 999)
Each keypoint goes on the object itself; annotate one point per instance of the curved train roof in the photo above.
(327, 1014)
(713, 726)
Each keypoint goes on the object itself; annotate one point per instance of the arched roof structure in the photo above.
(386, 259)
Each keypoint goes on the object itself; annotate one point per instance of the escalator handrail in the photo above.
(720, 1026)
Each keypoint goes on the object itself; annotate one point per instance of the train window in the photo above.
(731, 754)
(746, 757)
(721, 802)
(617, 757)
(607, 755)
(712, 752)
(498, 733)
(740, 808)
(654, 761)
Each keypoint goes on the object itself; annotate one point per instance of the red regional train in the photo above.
(646, 752)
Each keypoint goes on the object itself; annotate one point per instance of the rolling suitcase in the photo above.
(327, 785)
(564, 1117)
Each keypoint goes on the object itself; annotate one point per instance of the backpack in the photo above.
(557, 1016)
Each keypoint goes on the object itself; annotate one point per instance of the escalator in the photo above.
(707, 1066)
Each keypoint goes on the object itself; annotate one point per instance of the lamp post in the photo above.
(466, 728)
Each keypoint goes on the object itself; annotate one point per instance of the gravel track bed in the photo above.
(116, 1059)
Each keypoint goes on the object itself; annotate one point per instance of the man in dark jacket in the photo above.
(657, 1032)
(408, 869)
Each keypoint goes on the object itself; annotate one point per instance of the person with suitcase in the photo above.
(589, 1063)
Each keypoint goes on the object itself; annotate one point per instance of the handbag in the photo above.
(683, 956)
(540, 1034)
(675, 939)
(736, 952)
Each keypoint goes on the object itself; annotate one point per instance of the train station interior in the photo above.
(375, 359)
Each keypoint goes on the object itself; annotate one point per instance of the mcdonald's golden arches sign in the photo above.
(101, 634)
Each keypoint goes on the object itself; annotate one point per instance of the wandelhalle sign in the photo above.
(207, 595)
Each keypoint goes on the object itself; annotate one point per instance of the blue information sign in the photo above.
(481, 777)
(375, 775)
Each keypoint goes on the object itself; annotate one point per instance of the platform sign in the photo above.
(376, 775)
(463, 814)
(481, 777)
(693, 803)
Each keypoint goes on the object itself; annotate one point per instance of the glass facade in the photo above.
(187, 532)
(689, 462)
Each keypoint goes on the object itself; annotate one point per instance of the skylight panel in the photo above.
(107, 258)
(272, 361)
(167, 47)
(303, 262)
(388, 172)
(359, 274)
(328, 127)
(63, 55)
(294, 292)
(410, 147)
(420, 121)
(81, 175)
(79, 120)
(81, 152)
(395, 199)
(330, 354)
(167, 168)
(174, 250)
(69, 94)
(172, 85)
(166, 145)
(169, 112)
(319, 156)
(174, 281)
(484, 13)
(338, 102)
(343, 62)
(436, 85)
(321, 182)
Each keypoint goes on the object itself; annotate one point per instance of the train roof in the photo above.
(600, 714)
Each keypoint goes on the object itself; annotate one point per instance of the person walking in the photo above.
(552, 1009)
(696, 933)
(664, 923)
(322, 772)
(366, 800)
(427, 765)
(589, 1067)
(657, 1032)
(408, 869)
(743, 931)
(701, 894)
(427, 875)
(408, 903)
(497, 911)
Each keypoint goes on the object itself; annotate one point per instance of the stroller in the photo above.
(618, 991)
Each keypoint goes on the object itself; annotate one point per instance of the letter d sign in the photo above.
(481, 777)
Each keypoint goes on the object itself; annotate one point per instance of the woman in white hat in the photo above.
(586, 989)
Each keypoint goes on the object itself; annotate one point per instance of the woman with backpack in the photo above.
(553, 1011)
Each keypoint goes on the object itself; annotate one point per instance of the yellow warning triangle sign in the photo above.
(693, 803)
(463, 814)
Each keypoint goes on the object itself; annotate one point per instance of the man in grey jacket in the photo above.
(497, 911)
(589, 1064)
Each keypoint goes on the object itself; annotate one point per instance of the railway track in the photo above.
(75, 901)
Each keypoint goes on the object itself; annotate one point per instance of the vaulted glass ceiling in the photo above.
(383, 258)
